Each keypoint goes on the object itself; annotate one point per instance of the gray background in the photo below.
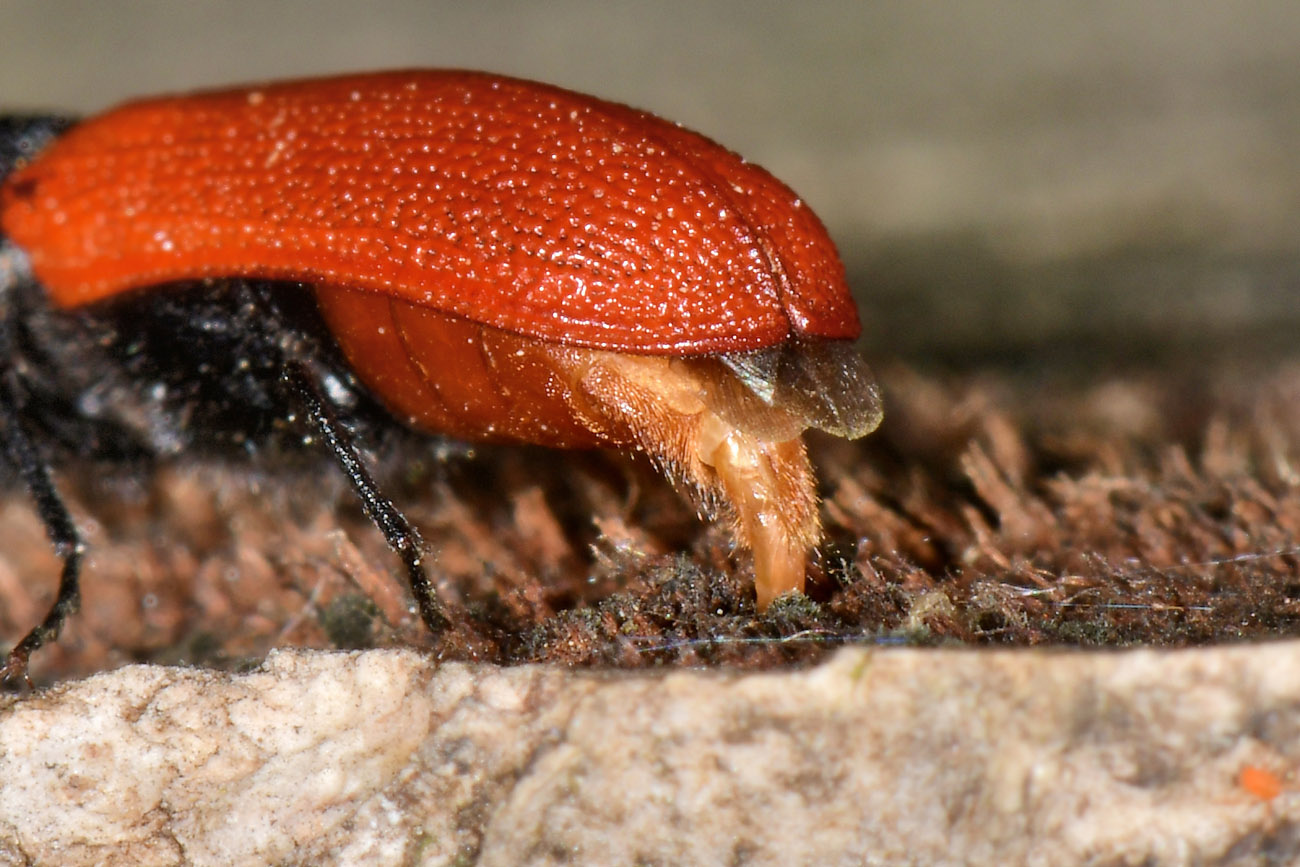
(1004, 179)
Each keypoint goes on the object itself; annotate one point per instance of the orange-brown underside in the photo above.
(448, 374)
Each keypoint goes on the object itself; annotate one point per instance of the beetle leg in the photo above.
(401, 536)
(53, 512)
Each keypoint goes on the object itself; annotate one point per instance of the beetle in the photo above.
(483, 256)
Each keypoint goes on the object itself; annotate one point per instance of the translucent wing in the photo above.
(815, 383)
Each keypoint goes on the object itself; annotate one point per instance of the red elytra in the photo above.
(518, 205)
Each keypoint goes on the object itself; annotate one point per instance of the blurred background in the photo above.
(1008, 182)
